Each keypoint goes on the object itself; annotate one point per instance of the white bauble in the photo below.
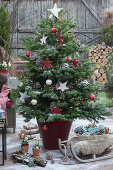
(49, 82)
(96, 72)
(33, 101)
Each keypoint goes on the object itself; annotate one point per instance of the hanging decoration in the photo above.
(62, 87)
(53, 30)
(33, 101)
(75, 63)
(43, 39)
(39, 63)
(52, 105)
(49, 82)
(92, 97)
(53, 49)
(55, 10)
(24, 95)
(65, 65)
(69, 59)
(61, 38)
(44, 128)
(28, 54)
(56, 110)
(38, 86)
(47, 63)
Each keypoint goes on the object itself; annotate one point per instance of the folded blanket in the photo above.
(4, 98)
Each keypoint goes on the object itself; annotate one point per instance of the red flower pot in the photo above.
(55, 130)
(3, 71)
(36, 152)
(24, 148)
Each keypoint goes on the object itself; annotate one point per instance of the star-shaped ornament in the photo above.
(62, 87)
(55, 10)
(47, 63)
(56, 110)
(24, 95)
(43, 39)
(75, 63)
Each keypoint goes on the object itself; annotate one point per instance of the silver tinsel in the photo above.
(52, 105)
(38, 86)
(39, 63)
(28, 88)
(65, 65)
(53, 49)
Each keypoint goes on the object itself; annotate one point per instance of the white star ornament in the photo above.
(43, 39)
(24, 95)
(55, 10)
(62, 87)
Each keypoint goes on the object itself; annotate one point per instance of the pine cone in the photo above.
(49, 155)
(40, 161)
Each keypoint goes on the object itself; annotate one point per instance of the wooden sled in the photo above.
(76, 148)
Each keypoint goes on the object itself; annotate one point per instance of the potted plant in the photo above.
(36, 147)
(57, 86)
(24, 144)
(4, 66)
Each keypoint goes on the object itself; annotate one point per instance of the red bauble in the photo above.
(44, 128)
(53, 30)
(69, 59)
(28, 54)
(91, 97)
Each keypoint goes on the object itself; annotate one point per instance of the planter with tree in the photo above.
(56, 86)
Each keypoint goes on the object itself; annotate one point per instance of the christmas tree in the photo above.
(57, 84)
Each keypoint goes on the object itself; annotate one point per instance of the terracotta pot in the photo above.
(55, 130)
(36, 152)
(24, 148)
(3, 71)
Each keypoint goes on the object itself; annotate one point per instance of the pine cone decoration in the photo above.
(40, 161)
(49, 155)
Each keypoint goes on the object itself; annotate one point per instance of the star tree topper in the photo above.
(43, 39)
(47, 63)
(62, 87)
(55, 10)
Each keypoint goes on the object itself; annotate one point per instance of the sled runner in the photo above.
(86, 145)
